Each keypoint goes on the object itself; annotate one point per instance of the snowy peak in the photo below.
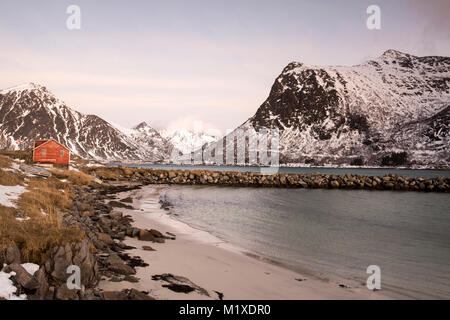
(186, 140)
(142, 125)
(395, 54)
(29, 86)
(333, 114)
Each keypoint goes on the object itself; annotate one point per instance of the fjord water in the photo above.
(332, 234)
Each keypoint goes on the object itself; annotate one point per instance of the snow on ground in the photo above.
(22, 219)
(7, 288)
(94, 165)
(10, 193)
(31, 268)
(74, 169)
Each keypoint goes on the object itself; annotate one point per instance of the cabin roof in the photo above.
(43, 144)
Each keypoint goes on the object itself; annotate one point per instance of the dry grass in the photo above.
(74, 159)
(19, 154)
(8, 178)
(106, 173)
(35, 237)
(5, 162)
(78, 178)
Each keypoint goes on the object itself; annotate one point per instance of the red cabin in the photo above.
(51, 151)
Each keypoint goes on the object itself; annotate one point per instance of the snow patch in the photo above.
(7, 288)
(31, 268)
(9, 194)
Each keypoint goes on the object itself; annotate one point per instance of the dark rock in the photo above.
(114, 259)
(78, 254)
(118, 204)
(114, 295)
(43, 289)
(12, 255)
(64, 293)
(145, 235)
(219, 294)
(156, 233)
(134, 294)
(127, 200)
(25, 279)
(179, 284)
(105, 238)
(148, 248)
(115, 215)
(131, 279)
(133, 261)
(121, 268)
(184, 288)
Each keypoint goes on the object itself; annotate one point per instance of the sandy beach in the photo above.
(213, 264)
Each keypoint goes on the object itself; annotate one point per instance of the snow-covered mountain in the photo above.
(30, 112)
(186, 140)
(393, 110)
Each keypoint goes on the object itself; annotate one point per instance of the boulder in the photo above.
(134, 294)
(105, 238)
(127, 200)
(43, 290)
(12, 255)
(114, 295)
(25, 279)
(116, 215)
(334, 184)
(114, 259)
(179, 284)
(77, 254)
(118, 204)
(145, 235)
(121, 268)
(156, 233)
(64, 293)
(36, 171)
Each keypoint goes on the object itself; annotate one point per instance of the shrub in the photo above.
(357, 162)
(395, 159)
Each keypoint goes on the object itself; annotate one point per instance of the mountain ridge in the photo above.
(30, 112)
(339, 115)
(367, 114)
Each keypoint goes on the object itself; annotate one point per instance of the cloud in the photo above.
(191, 123)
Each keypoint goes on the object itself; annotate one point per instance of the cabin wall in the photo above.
(52, 154)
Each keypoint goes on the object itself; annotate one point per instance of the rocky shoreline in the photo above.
(100, 256)
(278, 180)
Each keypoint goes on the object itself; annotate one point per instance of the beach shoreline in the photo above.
(218, 267)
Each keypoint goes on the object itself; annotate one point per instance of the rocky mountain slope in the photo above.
(393, 110)
(30, 112)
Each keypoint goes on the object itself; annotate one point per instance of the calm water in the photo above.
(360, 171)
(332, 234)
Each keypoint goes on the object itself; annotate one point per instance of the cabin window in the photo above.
(61, 153)
(44, 152)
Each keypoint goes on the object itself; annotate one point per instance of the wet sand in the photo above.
(214, 264)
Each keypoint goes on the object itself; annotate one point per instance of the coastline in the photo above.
(386, 182)
(212, 264)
